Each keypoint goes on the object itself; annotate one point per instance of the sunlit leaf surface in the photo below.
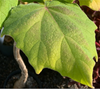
(5, 7)
(55, 36)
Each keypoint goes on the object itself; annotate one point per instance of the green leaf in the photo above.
(93, 4)
(55, 36)
(5, 7)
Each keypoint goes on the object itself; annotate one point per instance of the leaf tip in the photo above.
(38, 71)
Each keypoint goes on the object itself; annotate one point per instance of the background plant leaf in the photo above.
(55, 36)
(93, 4)
(5, 7)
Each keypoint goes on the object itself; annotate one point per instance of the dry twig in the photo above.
(24, 72)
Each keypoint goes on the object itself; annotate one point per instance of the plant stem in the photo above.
(24, 72)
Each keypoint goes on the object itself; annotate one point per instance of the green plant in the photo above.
(56, 35)
(5, 7)
(94, 4)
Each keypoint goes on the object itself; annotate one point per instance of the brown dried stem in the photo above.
(24, 72)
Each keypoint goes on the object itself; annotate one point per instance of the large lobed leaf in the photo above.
(5, 7)
(93, 4)
(55, 36)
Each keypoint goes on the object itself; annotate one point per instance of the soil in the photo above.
(31, 83)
